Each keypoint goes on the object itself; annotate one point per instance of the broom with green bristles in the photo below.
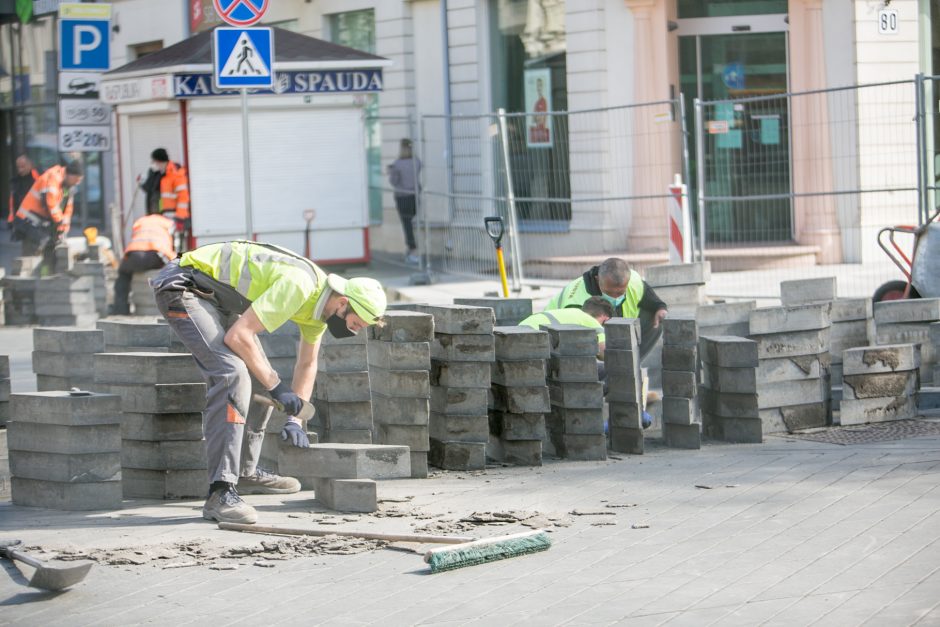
(487, 550)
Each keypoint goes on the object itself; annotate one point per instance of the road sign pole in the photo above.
(246, 156)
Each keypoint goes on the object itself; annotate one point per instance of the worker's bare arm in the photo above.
(305, 370)
(241, 339)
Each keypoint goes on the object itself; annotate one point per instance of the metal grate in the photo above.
(867, 434)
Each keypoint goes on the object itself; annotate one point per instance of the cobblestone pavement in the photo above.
(785, 533)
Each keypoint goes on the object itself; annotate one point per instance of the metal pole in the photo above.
(683, 129)
(511, 197)
(921, 143)
(85, 183)
(700, 176)
(448, 131)
(420, 209)
(246, 155)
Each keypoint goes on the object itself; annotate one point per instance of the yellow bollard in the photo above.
(91, 235)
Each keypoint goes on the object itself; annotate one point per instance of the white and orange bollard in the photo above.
(680, 223)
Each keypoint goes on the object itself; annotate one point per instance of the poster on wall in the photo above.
(538, 100)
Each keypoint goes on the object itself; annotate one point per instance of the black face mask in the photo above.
(337, 327)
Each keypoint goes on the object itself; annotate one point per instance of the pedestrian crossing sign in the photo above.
(243, 57)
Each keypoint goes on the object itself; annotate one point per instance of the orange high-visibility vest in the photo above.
(45, 198)
(153, 233)
(174, 191)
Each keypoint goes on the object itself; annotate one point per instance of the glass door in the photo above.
(746, 152)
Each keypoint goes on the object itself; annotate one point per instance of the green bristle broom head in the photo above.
(459, 557)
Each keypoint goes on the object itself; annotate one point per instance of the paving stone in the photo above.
(67, 468)
(571, 339)
(66, 340)
(398, 383)
(737, 329)
(910, 310)
(792, 368)
(509, 426)
(400, 411)
(460, 319)
(680, 358)
(463, 347)
(622, 334)
(680, 332)
(354, 415)
(679, 383)
(146, 367)
(852, 334)
(183, 454)
(508, 311)
(736, 380)
(461, 374)
(571, 368)
(343, 358)
(902, 332)
(343, 386)
(400, 355)
(724, 313)
(459, 428)
(463, 456)
(419, 465)
(622, 363)
(623, 415)
(61, 365)
(794, 418)
(792, 344)
(851, 309)
(66, 440)
(347, 495)
(169, 398)
(515, 452)
(48, 383)
(103, 495)
(726, 405)
(521, 400)
(679, 411)
(742, 430)
(578, 395)
(877, 359)
(859, 386)
(728, 351)
(517, 343)
(580, 447)
(459, 401)
(345, 461)
(523, 372)
(630, 441)
(682, 436)
(348, 436)
(677, 295)
(404, 326)
(789, 393)
(186, 484)
(678, 274)
(864, 411)
(805, 291)
(415, 437)
(142, 454)
(139, 483)
(789, 319)
(59, 408)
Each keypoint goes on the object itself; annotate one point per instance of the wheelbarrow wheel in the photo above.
(893, 290)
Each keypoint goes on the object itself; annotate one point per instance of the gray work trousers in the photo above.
(201, 325)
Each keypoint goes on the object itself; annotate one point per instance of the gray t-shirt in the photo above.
(403, 175)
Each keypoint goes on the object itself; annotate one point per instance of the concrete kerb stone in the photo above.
(60, 408)
(68, 340)
(570, 339)
(622, 414)
(680, 411)
(343, 386)
(341, 358)
(581, 447)
(794, 418)
(446, 347)
(773, 370)
(415, 437)
(789, 393)
(69, 366)
(459, 428)
(157, 427)
(4, 366)
(66, 468)
(460, 374)
(806, 291)
(345, 461)
(451, 455)
(622, 334)
(508, 311)
(733, 380)
(170, 398)
(400, 411)
(523, 372)
(912, 310)
(510, 426)
(626, 440)
(878, 359)
(679, 383)
(779, 320)
(888, 384)
(678, 274)
(404, 326)
(103, 495)
(401, 383)
(851, 309)
(869, 410)
(687, 436)
(522, 400)
(355, 415)
(460, 319)
(459, 401)
(680, 332)
(680, 358)
(347, 495)
(577, 395)
(792, 344)
(572, 368)
(62, 439)
(399, 355)
(724, 313)
(518, 343)
(135, 367)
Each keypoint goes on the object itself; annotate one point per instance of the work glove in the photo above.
(290, 403)
(294, 434)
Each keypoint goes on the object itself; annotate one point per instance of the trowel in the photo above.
(306, 413)
(46, 576)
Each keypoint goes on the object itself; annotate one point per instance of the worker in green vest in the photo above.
(592, 314)
(218, 298)
(625, 290)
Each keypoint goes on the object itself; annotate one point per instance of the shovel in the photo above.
(306, 413)
(46, 577)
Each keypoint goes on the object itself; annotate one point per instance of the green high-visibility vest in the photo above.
(575, 293)
(566, 316)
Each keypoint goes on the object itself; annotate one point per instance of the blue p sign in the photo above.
(84, 45)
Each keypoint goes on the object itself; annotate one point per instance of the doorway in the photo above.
(741, 62)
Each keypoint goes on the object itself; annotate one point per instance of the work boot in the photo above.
(264, 482)
(224, 505)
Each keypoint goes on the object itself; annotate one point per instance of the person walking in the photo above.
(151, 248)
(20, 184)
(45, 214)
(404, 175)
(218, 298)
(167, 192)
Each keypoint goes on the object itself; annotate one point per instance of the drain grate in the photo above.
(877, 432)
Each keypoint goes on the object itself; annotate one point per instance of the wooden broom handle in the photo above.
(365, 535)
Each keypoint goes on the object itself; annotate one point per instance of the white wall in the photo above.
(140, 21)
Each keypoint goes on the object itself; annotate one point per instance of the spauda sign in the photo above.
(325, 82)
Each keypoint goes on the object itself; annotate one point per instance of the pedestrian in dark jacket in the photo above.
(20, 184)
(404, 174)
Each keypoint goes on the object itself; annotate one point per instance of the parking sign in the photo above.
(84, 36)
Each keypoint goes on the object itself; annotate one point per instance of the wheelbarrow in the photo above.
(921, 269)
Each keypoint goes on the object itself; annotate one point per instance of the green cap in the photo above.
(365, 295)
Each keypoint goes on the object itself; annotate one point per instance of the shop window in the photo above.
(356, 29)
(729, 8)
(528, 53)
(141, 50)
